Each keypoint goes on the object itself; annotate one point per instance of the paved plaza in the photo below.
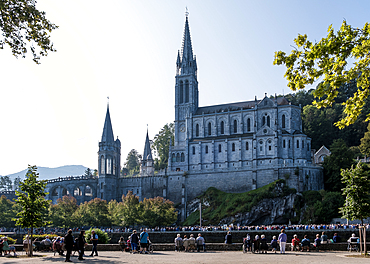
(169, 257)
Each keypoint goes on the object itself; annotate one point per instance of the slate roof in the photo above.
(234, 106)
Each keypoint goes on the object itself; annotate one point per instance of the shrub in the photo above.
(102, 236)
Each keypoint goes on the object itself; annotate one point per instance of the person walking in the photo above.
(134, 241)
(94, 240)
(69, 242)
(282, 240)
(81, 245)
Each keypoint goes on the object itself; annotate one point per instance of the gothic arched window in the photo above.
(284, 143)
(283, 121)
(173, 157)
(247, 145)
(263, 120)
(248, 124)
(182, 157)
(102, 165)
(235, 126)
(109, 165)
(268, 121)
(206, 149)
(178, 157)
(297, 143)
(193, 150)
(186, 91)
(181, 92)
(197, 130)
(222, 127)
(114, 166)
(209, 129)
(219, 148)
(233, 147)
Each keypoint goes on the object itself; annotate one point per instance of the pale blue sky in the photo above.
(53, 114)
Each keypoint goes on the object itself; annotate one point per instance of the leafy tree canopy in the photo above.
(329, 59)
(25, 29)
(5, 183)
(31, 199)
(132, 162)
(341, 158)
(356, 190)
(61, 213)
(161, 144)
(8, 212)
(365, 143)
(93, 213)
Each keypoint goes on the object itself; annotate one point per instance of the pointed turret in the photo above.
(147, 150)
(107, 131)
(147, 164)
(188, 63)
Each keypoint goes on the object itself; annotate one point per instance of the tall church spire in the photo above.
(107, 131)
(188, 62)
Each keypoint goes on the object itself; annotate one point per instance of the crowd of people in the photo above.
(51, 230)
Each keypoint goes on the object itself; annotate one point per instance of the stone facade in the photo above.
(234, 147)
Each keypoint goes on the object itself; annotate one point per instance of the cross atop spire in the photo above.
(186, 12)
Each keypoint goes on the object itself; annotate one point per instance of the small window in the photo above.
(233, 147)
(268, 121)
(289, 143)
(283, 121)
(173, 157)
(269, 148)
(182, 157)
(222, 127)
(193, 150)
(235, 126)
(302, 143)
(181, 92)
(206, 149)
(197, 130)
(263, 120)
(178, 157)
(219, 148)
(186, 91)
(260, 148)
(248, 124)
(297, 143)
(209, 129)
(284, 143)
(247, 146)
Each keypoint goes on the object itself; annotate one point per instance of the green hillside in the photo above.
(223, 204)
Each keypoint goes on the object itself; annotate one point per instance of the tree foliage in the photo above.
(329, 58)
(161, 144)
(25, 29)
(62, 213)
(321, 206)
(31, 198)
(130, 209)
(93, 213)
(132, 162)
(157, 212)
(357, 191)
(341, 158)
(5, 183)
(365, 143)
(8, 212)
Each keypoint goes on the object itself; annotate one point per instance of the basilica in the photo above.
(234, 147)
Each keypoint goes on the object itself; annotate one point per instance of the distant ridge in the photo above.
(46, 173)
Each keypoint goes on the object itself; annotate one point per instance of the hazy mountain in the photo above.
(46, 173)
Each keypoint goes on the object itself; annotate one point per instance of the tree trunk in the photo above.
(30, 253)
